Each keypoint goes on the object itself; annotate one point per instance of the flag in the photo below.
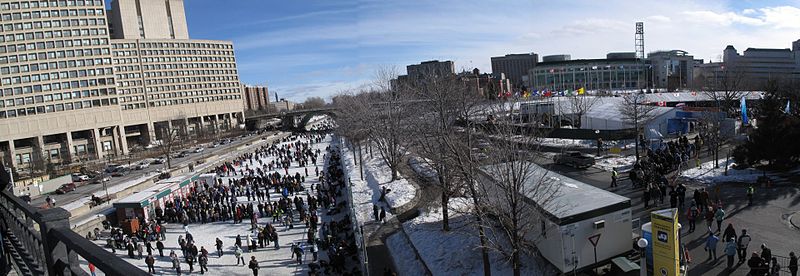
(744, 111)
(786, 110)
(548, 93)
(581, 91)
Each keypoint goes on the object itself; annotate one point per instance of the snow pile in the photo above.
(405, 260)
(378, 174)
(455, 252)
(364, 195)
(422, 167)
(707, 174)
(621, 163)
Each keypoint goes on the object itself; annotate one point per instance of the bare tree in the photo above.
(578, 106)
(724, 87)
(437, 114)
(636, 112)
(170, 139)
(515, 190)
(354, 118)
(313, 103)
(390, 120)
(464, 164)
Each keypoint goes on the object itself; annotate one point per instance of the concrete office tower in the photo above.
(256, 98)
(188, 85)
(69, 93)
(59, 99)
(148, 19)
(514, 66)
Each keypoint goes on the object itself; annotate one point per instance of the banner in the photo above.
(666, 247)
(744, 111)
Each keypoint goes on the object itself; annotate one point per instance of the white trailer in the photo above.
(578, 216)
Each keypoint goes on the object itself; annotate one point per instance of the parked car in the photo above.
(122, 171)
(199, 150)
(101, 178)
(142, 165)
(76, 177)
(574, 159)
(66, 188)
(160, 160)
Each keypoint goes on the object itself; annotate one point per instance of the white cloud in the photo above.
(658, 18)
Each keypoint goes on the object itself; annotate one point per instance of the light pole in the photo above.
(642, 243)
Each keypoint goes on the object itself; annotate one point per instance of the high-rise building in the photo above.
(433, 68)
(59, 96)
(256, 98)
(69, 92)
(148, 19)
(751, 69)
(514, 66)
(671, 69)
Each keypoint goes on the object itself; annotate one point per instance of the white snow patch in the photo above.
(621, 163)
(709, 175)
(456, 252)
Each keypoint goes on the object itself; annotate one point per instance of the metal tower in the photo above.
(640, 40)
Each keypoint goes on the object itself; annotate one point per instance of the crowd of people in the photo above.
(651, 173)
(271, 192)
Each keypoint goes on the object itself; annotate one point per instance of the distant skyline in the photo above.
(318, 48)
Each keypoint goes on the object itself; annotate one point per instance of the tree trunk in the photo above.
(445, 212)
(360, 161)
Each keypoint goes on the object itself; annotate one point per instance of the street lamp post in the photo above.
(642, 243)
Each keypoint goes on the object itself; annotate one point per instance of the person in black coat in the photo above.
(130, 248)
(160, 247)
(253, 265)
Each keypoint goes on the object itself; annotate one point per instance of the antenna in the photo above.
(640, 50)
(640, 40)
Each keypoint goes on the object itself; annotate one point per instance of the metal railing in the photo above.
(40, 242)
(357, 227)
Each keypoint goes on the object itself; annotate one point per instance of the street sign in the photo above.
(594, 239)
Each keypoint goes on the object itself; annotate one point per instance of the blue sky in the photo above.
(320, 48)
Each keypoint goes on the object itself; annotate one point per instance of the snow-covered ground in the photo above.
(621, 163)
(102, 193)
(272, 261)
(422, 167)
(708, 175)
(455, 252)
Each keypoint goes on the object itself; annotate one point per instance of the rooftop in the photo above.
(570, 202)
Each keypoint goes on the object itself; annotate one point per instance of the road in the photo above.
(766, 220)
(89, 189)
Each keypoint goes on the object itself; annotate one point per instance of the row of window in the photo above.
(162, 45)
(191, 65)
(133, 106)
(56, 108)
(131, 99)
(67, 43)
(38, 99)
(55, 54)
(129, 91)
(126, 68)
(56, 65)
(62, 85)
(187, 59)
(194, 100)
(216, 80)
(118, 53)
(192, 93)
(50, 34)
(44, 4)
(50, 13)
(162, 74)
(56, 76)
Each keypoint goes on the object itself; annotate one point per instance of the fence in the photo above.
(358, 228)
(40, 242)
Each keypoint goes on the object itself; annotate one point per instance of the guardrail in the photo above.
(40, 242)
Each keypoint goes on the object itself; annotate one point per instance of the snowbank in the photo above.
(708, 175)
(621, 163)
(405, 260)
(364, 195)
(422, 167)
